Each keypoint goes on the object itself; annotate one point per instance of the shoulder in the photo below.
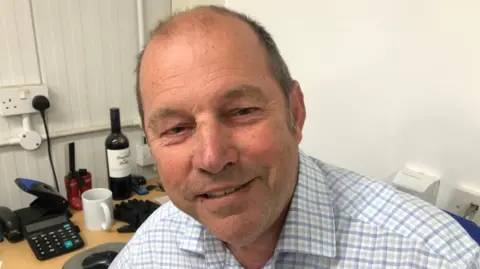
(380, 206)
(166, 222)
(155, 239)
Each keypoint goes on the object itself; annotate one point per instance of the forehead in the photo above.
(195, 54)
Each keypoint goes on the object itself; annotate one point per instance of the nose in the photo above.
(214, 148)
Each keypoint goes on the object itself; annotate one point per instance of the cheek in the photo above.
(265, 142)
(173, 168)
(272, 146)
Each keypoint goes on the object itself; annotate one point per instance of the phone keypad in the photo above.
(55, 241)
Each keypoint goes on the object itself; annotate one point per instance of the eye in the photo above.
(175, 130)
(244, 111)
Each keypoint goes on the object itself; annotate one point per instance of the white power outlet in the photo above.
(461, 199)
(144, 155)
(476, 219)
(18, 100)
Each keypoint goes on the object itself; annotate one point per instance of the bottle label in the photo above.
(119, 162)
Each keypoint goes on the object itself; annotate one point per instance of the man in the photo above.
(224, 120)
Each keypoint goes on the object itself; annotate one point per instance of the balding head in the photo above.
(220, 22)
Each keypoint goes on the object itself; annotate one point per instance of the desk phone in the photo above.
(53, 237)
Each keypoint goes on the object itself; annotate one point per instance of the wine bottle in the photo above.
(118, 159)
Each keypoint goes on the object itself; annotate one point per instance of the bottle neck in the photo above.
(115, 120)
(115, 127)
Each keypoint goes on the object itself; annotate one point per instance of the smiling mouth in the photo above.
(218, 194)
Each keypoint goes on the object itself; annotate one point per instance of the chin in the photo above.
(237, 230)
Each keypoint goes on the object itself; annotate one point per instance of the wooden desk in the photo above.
(20, 256)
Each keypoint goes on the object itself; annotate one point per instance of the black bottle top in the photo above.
(115, 119)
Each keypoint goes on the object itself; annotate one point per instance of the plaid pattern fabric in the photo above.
(337, 219)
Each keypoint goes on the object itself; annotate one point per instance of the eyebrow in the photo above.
(235, 93)
(162, 113)
(245, 90)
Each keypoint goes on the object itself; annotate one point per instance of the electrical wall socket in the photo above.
(144, 155)
(476, 219)
(461, 198)
(18, 100)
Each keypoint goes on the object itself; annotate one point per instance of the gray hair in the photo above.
(276, 63)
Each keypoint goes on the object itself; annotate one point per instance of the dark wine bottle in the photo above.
(118, 159)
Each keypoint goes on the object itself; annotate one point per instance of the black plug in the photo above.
(40, 103)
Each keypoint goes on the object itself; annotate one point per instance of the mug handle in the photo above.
(108, 218)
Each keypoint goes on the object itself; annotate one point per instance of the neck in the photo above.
(258, 253)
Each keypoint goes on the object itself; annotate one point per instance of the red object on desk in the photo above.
(75, 186)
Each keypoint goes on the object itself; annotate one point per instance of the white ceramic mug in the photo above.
(98, 209)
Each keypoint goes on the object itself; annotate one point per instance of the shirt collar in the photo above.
(310, 224)
(193, 235)
(309, 227)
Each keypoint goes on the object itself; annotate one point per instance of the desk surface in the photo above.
(19, 255)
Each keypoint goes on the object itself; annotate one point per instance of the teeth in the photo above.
(223, 193)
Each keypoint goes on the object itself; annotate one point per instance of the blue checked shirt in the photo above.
(337, 219)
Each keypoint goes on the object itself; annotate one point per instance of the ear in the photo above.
(297, 110)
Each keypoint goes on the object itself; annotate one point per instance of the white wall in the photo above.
(179, 5)
(386, 82)
(84, 51)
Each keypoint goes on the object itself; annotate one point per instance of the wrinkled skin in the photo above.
(216, 119)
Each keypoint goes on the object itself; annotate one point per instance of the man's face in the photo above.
(220, 130)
